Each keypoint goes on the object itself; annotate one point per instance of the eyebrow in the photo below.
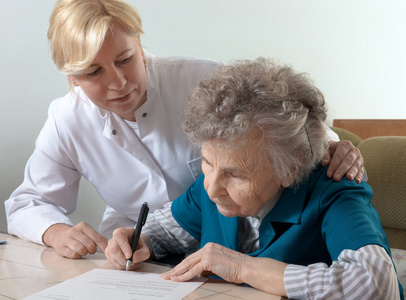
(120, 54)
(227, 169)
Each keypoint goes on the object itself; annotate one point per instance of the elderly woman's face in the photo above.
(239, 182)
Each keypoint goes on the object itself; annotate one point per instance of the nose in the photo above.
(116, 79)
(215, 185)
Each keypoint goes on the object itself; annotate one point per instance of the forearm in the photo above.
(47, 194)
(364, 274)
(29, 220)
(367, 273)
(265, 274)
(166, 235)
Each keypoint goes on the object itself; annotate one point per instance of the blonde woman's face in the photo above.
(116, 80)
(238, 182)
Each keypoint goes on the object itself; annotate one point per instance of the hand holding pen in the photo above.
(137, 232)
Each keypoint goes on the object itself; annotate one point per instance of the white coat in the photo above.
(80, 139)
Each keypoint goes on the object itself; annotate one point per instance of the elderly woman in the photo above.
(264, 213)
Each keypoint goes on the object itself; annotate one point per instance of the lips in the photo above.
(122, 98)
(221, 203)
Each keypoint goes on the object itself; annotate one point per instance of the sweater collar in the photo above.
(290, 206)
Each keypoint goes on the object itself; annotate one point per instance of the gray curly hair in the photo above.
(284, 105)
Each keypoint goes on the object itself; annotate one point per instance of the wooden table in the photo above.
(27, 268)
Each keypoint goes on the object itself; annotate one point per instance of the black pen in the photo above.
(137, 232)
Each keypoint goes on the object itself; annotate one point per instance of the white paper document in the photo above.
(116, 284)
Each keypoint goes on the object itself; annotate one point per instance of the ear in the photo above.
(142, 50)
(288, 181)
(72, 80)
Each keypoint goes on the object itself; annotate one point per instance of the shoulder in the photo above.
(195, 198)
(72, 108)
(181, 65)
(324, 187)
(320, 195)
(179, 60)
(172, 78)
(193, 208)
(343, 212)
(73, 117)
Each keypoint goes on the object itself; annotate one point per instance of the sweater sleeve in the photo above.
(166, 235)
(366, 273)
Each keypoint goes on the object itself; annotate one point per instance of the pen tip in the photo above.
(127, 267)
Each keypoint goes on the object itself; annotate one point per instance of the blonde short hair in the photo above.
(77, 29)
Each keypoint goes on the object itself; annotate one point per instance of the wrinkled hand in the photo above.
(212, 258)
(119, 249)
(344, 158)
(74, 242)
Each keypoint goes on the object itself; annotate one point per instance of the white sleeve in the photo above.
(49, 190)
(112, 219)
(367, 273)
(166, 235)
(331, 135)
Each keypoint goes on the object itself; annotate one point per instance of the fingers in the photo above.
(350, 165)
(119, 249)
(327, 156)
(96, 238)
(67, 252)
(115, 255)
(356, 171)
(337, 155)
(74, 242)
(83, 239)
(123, 237)
(189, 268)
(89, 238)
(362, 175)
(142, 253)
(346, 160)
(185, 276)
(214, 258)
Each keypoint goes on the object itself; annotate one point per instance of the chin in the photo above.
(228, 213)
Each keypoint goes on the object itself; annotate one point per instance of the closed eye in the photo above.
(205, 161)
(233, 175)
(94, 73)
(126, 60)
